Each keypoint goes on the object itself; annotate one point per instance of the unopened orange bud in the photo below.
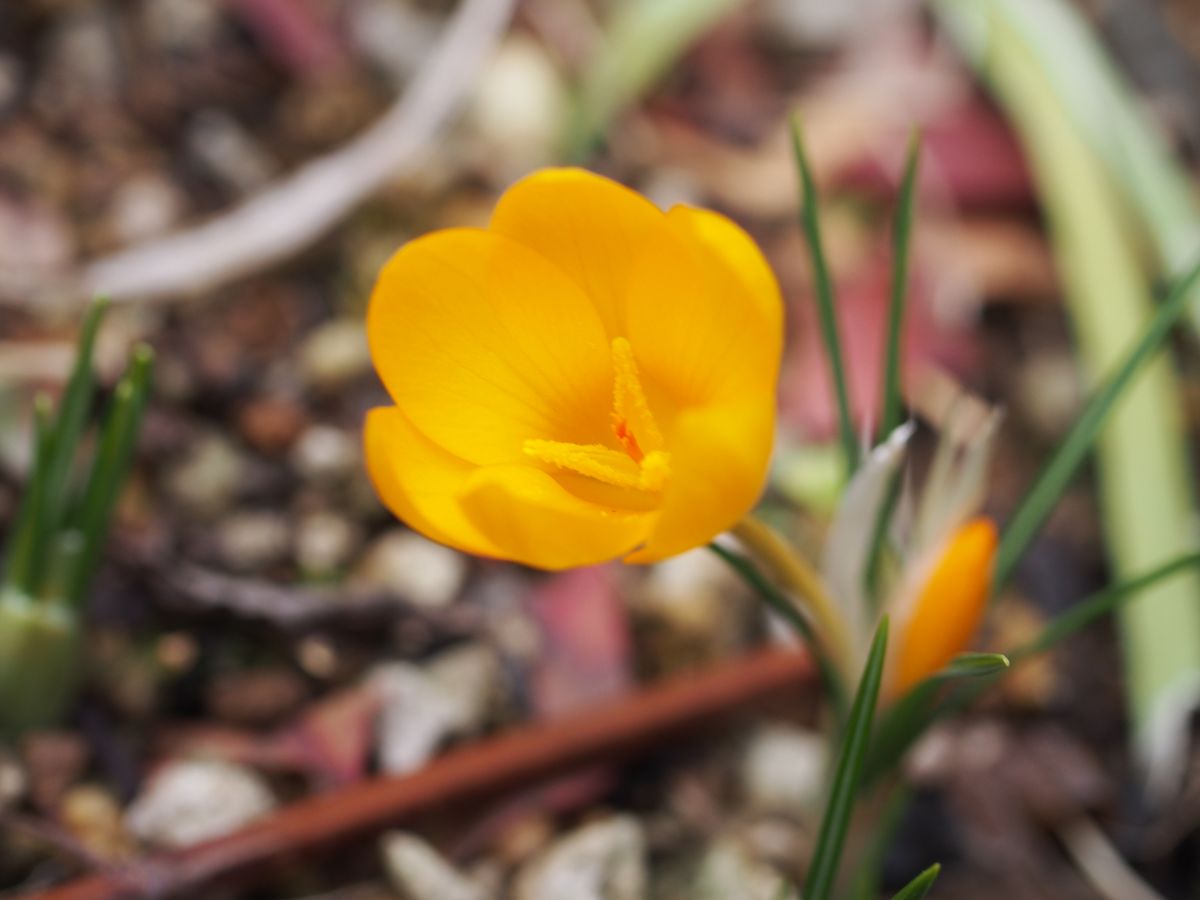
(949, 606)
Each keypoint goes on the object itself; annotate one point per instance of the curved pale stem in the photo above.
(801, 580)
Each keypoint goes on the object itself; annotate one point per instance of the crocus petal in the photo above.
(535, 521)
(589, 226)
(736, 251)
(719, 458)
(704, 331)
(484, 344)
(420, 482)
(947, 607)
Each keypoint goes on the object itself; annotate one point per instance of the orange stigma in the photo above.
(627, 438)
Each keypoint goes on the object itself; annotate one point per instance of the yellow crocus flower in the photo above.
(587, 378)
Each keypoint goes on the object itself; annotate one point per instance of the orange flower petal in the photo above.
(746, 271)
(706, 330)
(719, 458)
(949, 606)
(534, 520)
(420, 482)
(590, 227)
(485, 345)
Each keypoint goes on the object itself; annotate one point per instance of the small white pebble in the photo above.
(197, 800)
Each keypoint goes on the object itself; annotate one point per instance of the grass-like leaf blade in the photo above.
(117, 438)
(29, 530)
(73, 409)
(1099, 605)
(974, 665)
(823, 869)
(919, 886)
(1058, 472)
(893, 403)
(826, 302)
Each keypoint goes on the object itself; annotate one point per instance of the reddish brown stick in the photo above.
(612, 732)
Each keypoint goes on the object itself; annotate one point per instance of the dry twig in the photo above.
(292, 214)
(477, 772)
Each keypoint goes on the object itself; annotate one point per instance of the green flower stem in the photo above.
(803, 582)
(830, 677)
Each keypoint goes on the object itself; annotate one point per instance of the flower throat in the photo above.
(641, 464)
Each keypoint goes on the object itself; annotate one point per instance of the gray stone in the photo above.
(205, 481)
(414, 568)
(190, 801)
(602, 860)
(422, 707)
(784, 770)
(13, 781)
(728, 870)
(335, 353)
(325, 453)
(325, 541)
(418, 872)
(253, 539)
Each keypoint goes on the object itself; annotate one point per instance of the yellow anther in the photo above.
(593, 460)
(603, 463)
(656, 469)
(632, 421)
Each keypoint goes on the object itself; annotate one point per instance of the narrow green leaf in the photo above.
(827, 854)
(973, 665)
(73, 411)
(1099, 605)
(919, 886)
(826, 301)
(1062, 466)
(117, 439)
(786, 609)
(65, 435)
(786, 891)
(26, 538)
(893, 402)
